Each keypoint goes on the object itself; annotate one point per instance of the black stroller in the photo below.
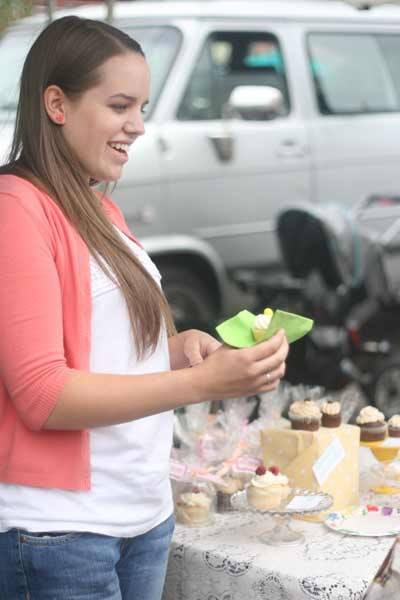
(348, 281)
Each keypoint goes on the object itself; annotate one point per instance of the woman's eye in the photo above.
(143, 110)
(119, 107)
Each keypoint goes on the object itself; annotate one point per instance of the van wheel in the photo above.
(191, 302)
(384, 391)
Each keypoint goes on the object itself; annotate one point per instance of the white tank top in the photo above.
(130, 491)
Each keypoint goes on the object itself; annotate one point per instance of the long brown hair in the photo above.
(69, 54)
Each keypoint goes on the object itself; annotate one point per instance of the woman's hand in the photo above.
(190, 348)
(229, 372)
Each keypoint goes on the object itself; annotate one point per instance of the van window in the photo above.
(228, 60)
(355, 73)
(160, 45)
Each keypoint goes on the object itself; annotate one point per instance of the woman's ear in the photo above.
(54, 103)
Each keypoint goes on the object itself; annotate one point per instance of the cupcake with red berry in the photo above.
(305, 415)
(372, 424)
(194, 507)
(267, 489)
(394, 426)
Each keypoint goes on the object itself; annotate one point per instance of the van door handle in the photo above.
(223, 145)
(290, 148)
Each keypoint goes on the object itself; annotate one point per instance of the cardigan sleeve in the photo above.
(33, 367)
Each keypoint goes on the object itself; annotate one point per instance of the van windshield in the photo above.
(160, 45)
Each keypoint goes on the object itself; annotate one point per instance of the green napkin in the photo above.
(237, 331)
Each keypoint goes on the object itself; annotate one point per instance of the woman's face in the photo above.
(104, 122)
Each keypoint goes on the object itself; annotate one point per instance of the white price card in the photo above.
(303, 502)
(328, 461)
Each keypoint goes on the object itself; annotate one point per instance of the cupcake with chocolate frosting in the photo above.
(305, 415)
(372, 424)
(331, 414)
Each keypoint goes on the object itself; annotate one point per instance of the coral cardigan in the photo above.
(45, 317)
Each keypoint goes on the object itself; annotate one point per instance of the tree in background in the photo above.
(14, 9)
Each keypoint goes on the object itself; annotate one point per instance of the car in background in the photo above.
(254, 106)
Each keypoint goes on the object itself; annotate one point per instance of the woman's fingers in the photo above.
(271, 364)
(269, 347)
(249, 370)
(270, 370)
(271, 378)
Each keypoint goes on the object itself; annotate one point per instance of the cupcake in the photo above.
(267, 489)
(230, 486)
(394, 426)
(193, 508)
(372, 424)
(305, 415)
(331, 414)
(261, 324)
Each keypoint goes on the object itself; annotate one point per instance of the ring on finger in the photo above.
(268, 376)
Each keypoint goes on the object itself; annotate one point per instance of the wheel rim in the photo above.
(387, 391)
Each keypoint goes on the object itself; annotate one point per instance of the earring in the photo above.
(59, 118)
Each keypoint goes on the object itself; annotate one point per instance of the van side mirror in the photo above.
(255, 103)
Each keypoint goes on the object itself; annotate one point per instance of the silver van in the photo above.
(254, 105)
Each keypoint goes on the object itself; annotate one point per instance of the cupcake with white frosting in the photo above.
(394, 426)
(305, 415)
(267, 489)
(372, 424)
(331, 414)
(193, 508)
(261, 324)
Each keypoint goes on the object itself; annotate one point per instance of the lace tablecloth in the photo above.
(226, 561)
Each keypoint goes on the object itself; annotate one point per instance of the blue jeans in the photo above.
(84, 566)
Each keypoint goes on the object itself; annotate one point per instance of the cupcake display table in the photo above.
(227, 561)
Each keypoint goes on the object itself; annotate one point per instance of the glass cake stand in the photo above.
(385, 455)
(300, 502)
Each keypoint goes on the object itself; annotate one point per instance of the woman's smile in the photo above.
(119, 151)
(109, 114)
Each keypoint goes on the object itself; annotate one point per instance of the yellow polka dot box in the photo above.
(325, 460)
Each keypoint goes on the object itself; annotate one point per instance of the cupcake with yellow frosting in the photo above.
(331, 413)
(394, 426)
(267, 489)
(372, 424)
(305, 415)
(261, 324)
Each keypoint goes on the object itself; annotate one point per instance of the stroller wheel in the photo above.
(384, 391)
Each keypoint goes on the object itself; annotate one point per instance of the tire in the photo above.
(384, 391)
(191, 302)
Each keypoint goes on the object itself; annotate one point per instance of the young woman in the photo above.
(90, 364)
